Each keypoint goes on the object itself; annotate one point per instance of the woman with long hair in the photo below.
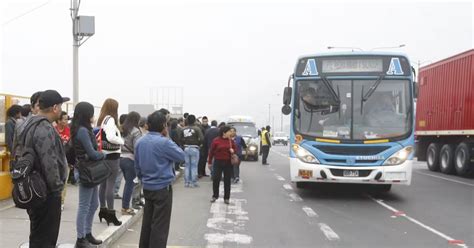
(221, 151)
(86, 149)
(131, 133)
(111, 142)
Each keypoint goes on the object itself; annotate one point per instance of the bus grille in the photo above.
(352, 150)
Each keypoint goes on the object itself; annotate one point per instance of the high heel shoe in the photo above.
(103, 214)
(93, 240)
(111, 218)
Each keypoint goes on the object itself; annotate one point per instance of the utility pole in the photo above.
(75, 54)
(82, 26)
(268, 123)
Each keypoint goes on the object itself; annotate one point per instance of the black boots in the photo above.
(92, 240)
(111, 218)
(82, 243)
(103, 214)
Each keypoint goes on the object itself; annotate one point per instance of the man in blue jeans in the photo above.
(155, 155)
(192, 139)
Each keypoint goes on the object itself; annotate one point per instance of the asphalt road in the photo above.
(267, 210)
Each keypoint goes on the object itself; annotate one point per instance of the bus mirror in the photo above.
(416, 89)
(287, 95)
(286, 110)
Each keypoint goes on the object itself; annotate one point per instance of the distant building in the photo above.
(142, 109)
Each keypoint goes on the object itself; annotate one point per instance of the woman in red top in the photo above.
(63, 128)
(221, 150)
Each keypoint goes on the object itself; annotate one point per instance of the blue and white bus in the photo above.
(352, 119)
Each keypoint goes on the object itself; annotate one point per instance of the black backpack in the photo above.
(29, 186)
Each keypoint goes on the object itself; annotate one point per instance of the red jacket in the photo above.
(220, 149)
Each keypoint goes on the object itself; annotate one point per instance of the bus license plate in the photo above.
(350, 173)
(306, 174)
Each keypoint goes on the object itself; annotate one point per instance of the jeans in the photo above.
(118, 181)
(128, 168)
(156, 218)
(44, 223)
(88, 204)
(106, 189)
(191, 160)
(226, 167)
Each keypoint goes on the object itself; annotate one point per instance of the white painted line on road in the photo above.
(280, 178)
(227, 220)
(295, 197)
(431, 229)
(310, 212)
(328, 232)
(444, 178)
(287, 186)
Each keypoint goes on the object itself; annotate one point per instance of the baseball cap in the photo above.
(50, 98)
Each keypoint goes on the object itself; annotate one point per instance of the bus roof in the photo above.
(355, 53)
(240, 118)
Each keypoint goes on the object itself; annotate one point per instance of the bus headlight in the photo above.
(399, 157)
(303, 155)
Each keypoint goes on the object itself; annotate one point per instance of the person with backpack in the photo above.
(110, 142)
(131, 134)
(85, 149)
(47, 155)
(192, 139)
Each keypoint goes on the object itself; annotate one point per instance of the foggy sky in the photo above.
(229, 57)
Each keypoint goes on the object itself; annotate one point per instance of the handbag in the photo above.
(93, 173)
(234, 159)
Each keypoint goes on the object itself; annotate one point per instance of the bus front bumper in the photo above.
(395, 174)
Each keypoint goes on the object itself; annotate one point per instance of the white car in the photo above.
(280, 138)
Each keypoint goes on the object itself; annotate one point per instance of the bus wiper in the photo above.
(372, 89)
(369, 93)
(331, 89)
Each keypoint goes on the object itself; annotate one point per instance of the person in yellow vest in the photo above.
(266, 144)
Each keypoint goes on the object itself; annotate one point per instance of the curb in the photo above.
(113, 233)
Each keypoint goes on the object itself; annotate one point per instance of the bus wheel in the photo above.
(300, 185)
(447, 159)
(432, 156)
(462, 160)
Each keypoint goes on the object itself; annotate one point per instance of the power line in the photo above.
(26, 13)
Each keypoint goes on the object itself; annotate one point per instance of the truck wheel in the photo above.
(462, 160)
(447, 159)
(432, 156)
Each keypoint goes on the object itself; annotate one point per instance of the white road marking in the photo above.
(431, 229)
(295, 197)
(227, 220)
(287, 186)
(444, 178)
(328, 232)
(280, 178)
(310, 212)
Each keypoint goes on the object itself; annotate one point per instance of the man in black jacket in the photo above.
(46, 218)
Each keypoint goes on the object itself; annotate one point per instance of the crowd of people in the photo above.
(144, 151)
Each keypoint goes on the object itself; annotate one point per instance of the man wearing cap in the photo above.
(52, 164)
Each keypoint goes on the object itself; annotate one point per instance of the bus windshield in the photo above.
(354, 115)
